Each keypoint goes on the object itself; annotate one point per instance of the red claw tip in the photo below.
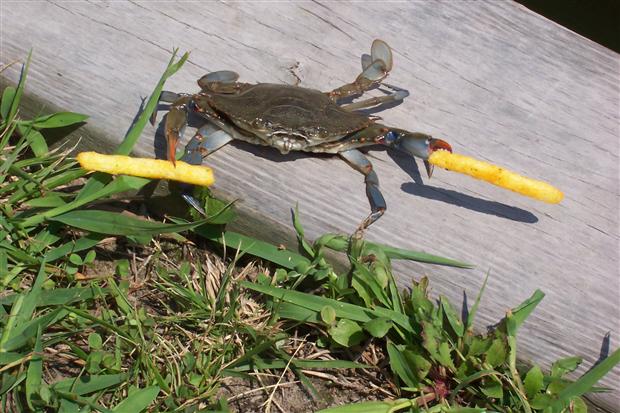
(437, 144)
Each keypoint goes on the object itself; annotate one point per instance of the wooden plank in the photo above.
(497, 81)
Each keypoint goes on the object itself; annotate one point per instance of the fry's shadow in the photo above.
(418, 188)
(470, 202)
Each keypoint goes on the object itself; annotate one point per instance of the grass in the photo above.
(104, 310)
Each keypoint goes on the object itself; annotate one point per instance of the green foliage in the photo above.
(435, 355)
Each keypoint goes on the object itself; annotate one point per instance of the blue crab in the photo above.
(293, 118)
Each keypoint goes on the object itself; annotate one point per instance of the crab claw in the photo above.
(434, 145)
(416, 144)
(175, 124)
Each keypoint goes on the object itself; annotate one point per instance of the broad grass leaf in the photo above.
(328, 314)
(585, 383)
(35, 140)
(31, 298)
(81, 244)
(378, 327)
(341, 243)
(497, 353)
(565, 365)
(89, 384)
(59, 120)
(400, 365)
(7, 100)
(114, 223)
(294, 312)
(10, 357)
(138, 400)
(347, 333)
(343, 310)
(523, 310)
(49, 201)
(363, 407)
(493, 390)
(261, 364)
(452, 317)
(533, 382)
(282, 257)
(26, 332)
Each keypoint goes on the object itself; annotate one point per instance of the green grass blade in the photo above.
(21, 335)
(137, 401)
(365, 407)
(114, 223)
(20, 89)
(304, 364)
(522, 311)
(585, 383)
(34, 377)
(89, 384)
(59, 120)
(134, 134)
(81, 244)
(400, 366)
(10, 357)
(57, 296)
(453, 319)
(341, 243)
(471, 315)
(99, 180)
(120, 184)
(284, 258)
(7, 100)
(343, 310)
(32, 297)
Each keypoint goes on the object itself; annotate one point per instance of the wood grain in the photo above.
(496, 81)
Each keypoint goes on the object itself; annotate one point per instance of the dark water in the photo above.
(598, 20)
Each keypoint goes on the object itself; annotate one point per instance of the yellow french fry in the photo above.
(146, 168)
(496, 176)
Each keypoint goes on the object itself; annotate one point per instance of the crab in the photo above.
(293, 118)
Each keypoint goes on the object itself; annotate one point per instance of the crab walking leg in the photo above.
(396, 94)
(375, 68)
(377, 203)
(207, 140)
(166, 97)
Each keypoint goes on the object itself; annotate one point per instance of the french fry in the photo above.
(146, 168)
(496, 176)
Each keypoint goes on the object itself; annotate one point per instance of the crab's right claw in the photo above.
(417, 144)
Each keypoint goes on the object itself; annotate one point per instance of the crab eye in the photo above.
(391, 137)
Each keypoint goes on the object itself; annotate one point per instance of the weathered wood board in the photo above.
(495, 80)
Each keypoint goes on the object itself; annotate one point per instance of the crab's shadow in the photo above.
(405, 162)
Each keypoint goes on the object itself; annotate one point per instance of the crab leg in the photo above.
(376, 67)
(360, 163)
(207, 140)
(396, 94)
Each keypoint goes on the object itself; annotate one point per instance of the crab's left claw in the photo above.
(416, 144)
(175, 123)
